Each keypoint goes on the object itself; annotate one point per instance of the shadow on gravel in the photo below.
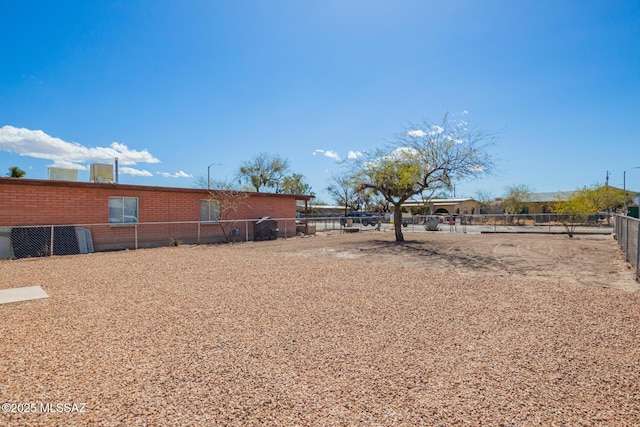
(418, 251)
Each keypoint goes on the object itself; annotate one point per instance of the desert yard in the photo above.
(444, 329)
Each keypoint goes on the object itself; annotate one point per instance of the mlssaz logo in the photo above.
(63, 407)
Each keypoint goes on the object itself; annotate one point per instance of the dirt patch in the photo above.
(590, 260)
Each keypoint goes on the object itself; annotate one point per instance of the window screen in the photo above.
(123, 210)
(209, 210)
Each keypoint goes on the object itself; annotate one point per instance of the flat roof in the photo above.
(100, 185)
(437, 202)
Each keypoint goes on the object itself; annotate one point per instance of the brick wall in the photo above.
(42, 202)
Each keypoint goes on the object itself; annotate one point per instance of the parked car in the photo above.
(358, 217)
(407, 219)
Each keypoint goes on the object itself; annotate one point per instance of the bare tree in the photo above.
(343, 189)
(200, 181)
(484, 199)
(229, 199)
(229, 202)
(426, 156)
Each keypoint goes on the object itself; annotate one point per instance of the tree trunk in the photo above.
(397, 222)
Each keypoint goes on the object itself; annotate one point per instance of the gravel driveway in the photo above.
(255, 334)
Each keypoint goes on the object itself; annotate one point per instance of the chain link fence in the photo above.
(46, 240)
(627, 233)
(504, 223)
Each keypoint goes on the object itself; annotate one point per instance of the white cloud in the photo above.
(416, 133)
(135, 172)
(328, 153)
(419, 133)
(180, 174)
(452, 139)
(354, 154)
(401, 152)
(36, 143)
(477, 169)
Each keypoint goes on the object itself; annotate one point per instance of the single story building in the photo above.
(128, 216)
(465, 206)
(543, 203)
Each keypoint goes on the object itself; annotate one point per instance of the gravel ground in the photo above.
(249, 335)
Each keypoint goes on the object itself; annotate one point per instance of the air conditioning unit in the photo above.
(63, 174)
(101, 172)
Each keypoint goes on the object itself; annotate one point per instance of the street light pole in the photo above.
(624, 187)
(209, 175)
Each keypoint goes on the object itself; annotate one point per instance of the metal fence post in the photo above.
(638, 252)
(626, 239)
(136, 236)
(618, 233)
(618, 228)
(51, 243)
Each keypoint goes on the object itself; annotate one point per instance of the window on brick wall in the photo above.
(209, 210)
(123, 210)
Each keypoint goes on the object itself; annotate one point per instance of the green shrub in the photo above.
(432, 224)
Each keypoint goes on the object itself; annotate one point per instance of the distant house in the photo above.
(320, 210)
(117, 214)
(544, 202)
(467, 206)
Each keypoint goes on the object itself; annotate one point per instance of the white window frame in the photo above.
(208, 204)
(121, 220)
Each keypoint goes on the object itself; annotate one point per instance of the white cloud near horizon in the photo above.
(477, 169)
(132, 171)
(179, 174)
(36, 143)
(352, 155)
(399, 154)
(404, 152)
(419, 133)
(328, 153)
(416, 133)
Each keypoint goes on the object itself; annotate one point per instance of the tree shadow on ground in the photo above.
(429, 253)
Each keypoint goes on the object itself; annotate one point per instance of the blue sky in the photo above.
(173, 86)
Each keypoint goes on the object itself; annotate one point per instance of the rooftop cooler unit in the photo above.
(63, 174)
(101, 172)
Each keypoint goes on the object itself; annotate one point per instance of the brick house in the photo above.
(126, 216)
